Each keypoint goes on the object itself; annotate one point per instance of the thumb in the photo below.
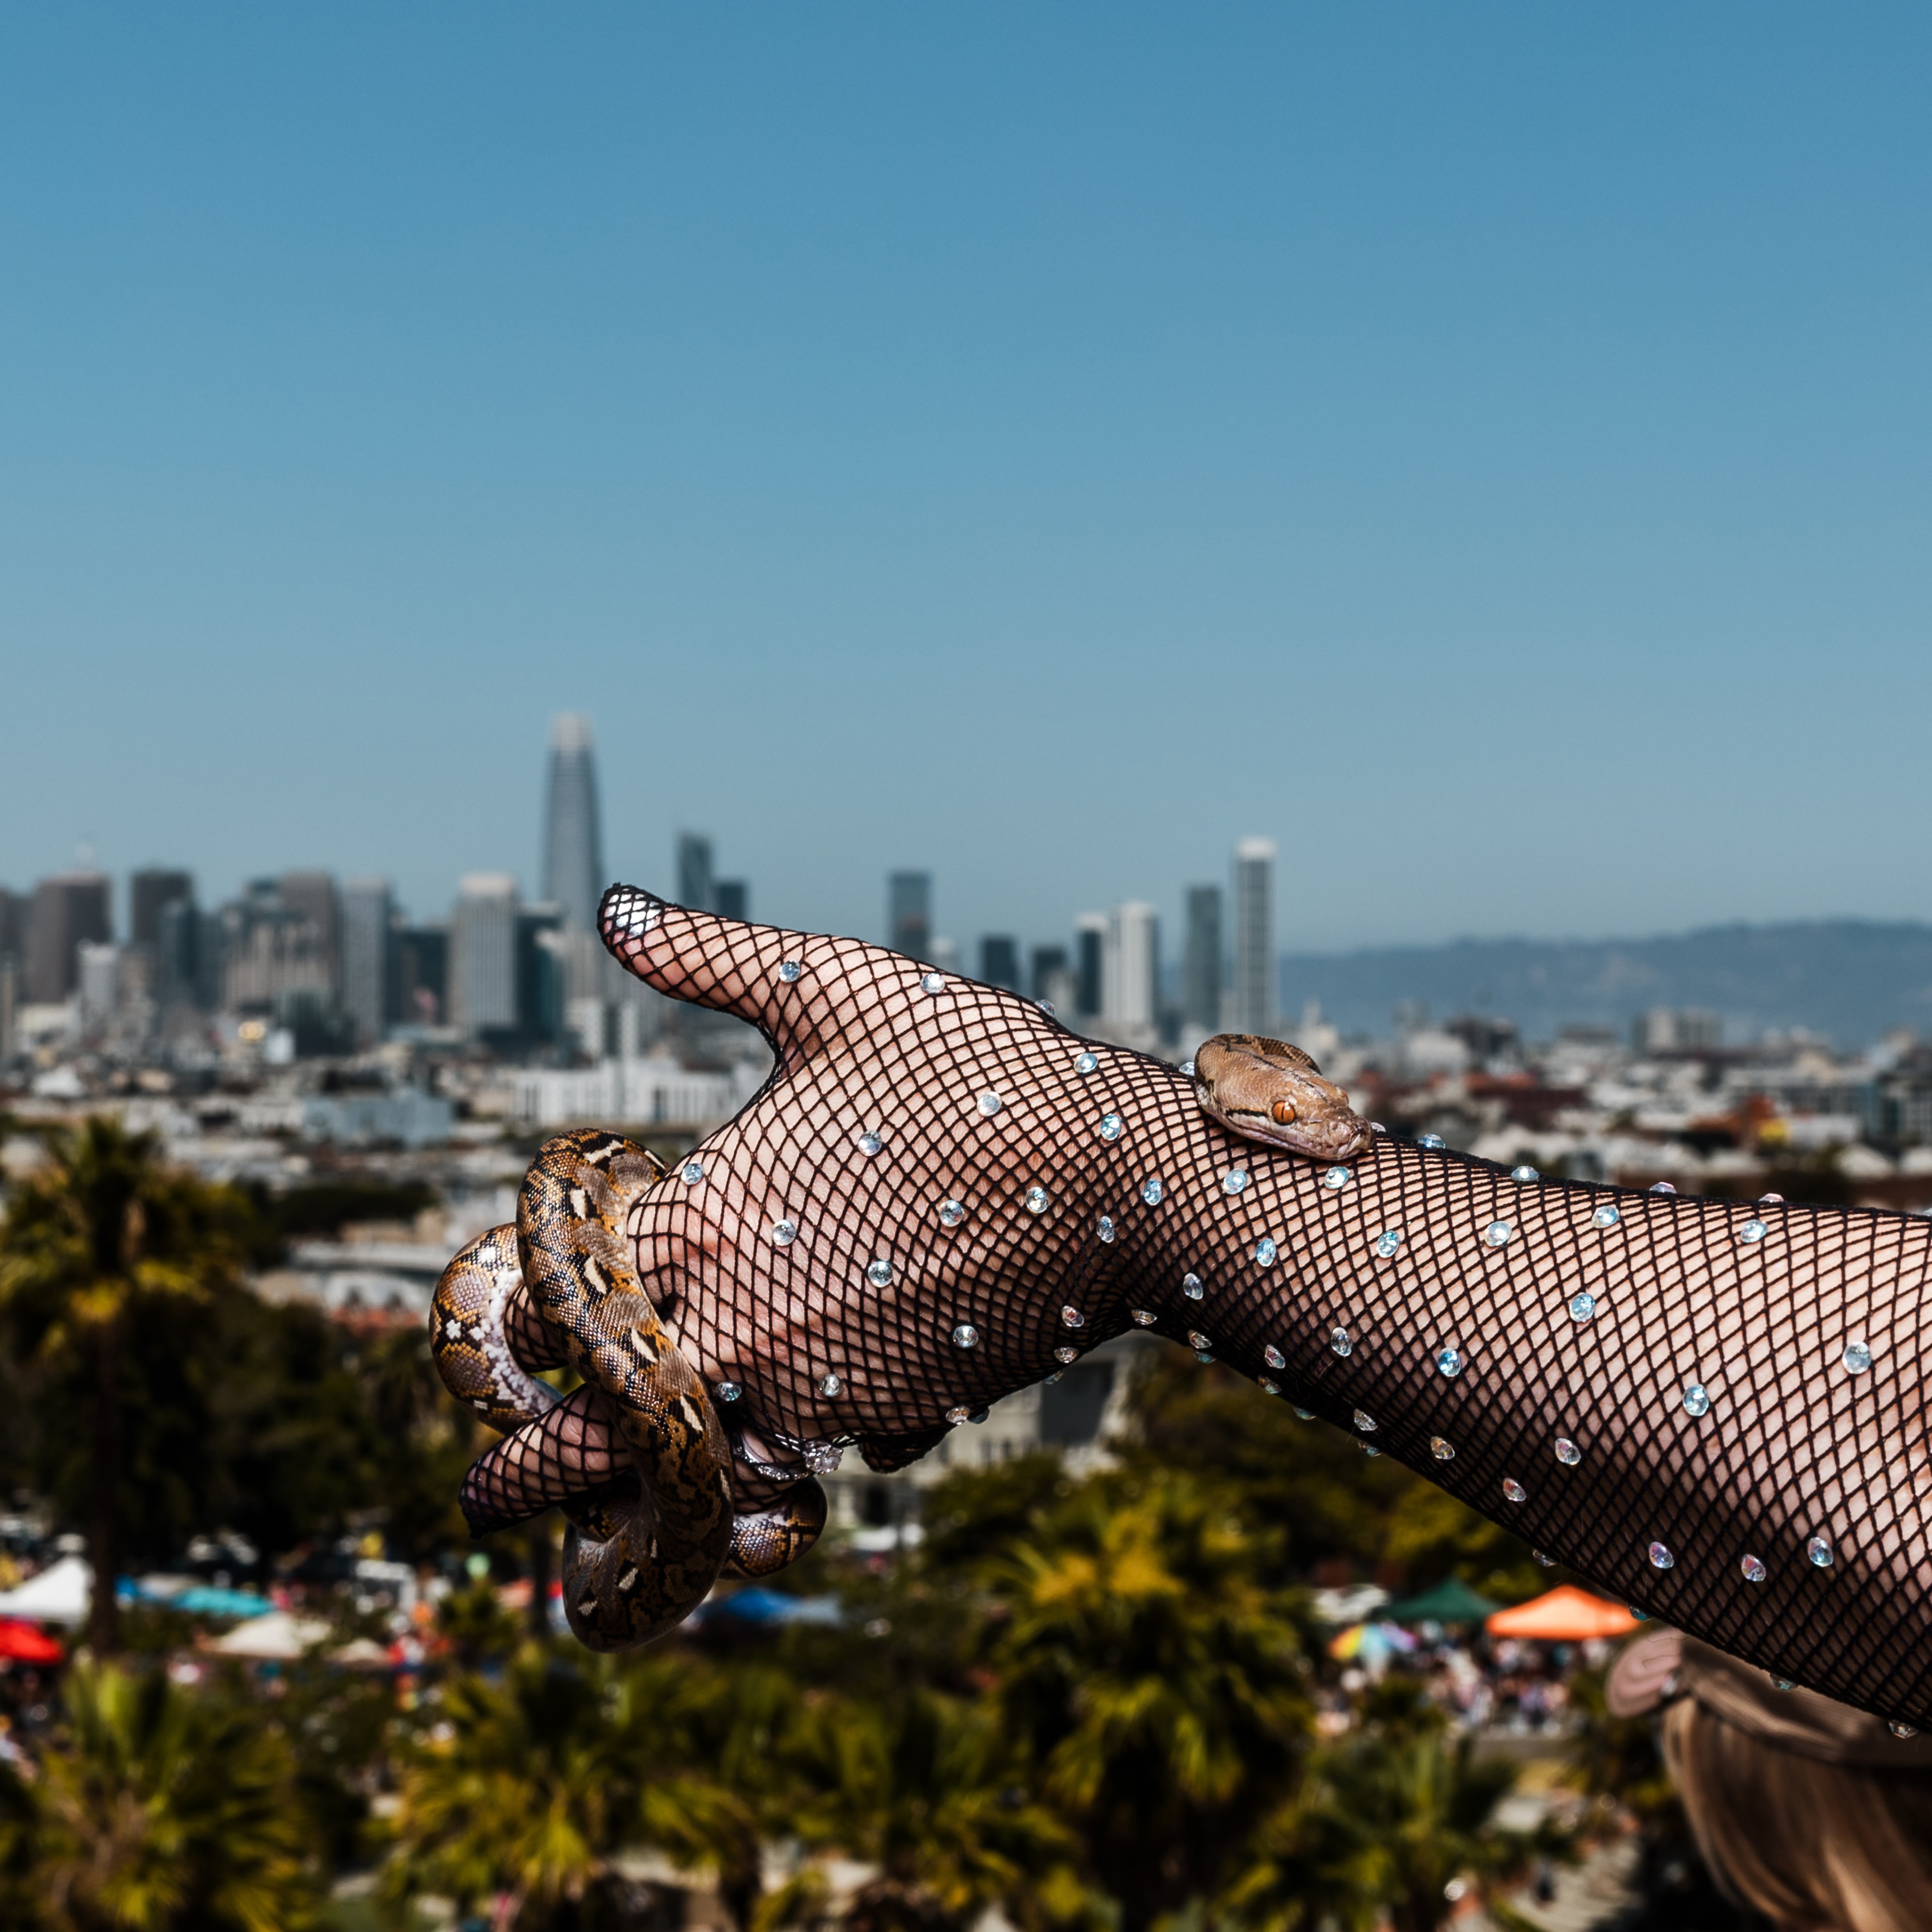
(759, 973)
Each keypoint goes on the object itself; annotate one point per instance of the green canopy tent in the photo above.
(1450, 1601)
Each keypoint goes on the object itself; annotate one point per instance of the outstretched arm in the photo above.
(942, 1195)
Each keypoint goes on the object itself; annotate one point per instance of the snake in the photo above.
(646, 1539)
(651, 1523)
(1269, 1091)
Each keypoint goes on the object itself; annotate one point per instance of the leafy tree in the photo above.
(1157, 1679)
(736, 1723)
(530, 1788)
(1418, 1805)
(163, 1809)
(102, 1246)
(1330, 1501)
(925, 1789)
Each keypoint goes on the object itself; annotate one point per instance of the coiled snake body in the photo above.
(643, 1543)
(643, 1546)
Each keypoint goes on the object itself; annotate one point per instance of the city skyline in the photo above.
(920, 442)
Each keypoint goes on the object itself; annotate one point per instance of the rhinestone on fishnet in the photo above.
(1514, 1490)
(1273, 1356)
(1191, 1286)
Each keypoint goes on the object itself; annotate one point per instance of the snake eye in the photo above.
(1283, 1113)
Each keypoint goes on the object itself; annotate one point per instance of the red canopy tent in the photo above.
(27, 1643)
(1564, 1614)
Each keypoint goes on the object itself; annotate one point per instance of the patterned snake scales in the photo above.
(643, 1549)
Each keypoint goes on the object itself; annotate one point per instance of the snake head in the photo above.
(1268, 1091)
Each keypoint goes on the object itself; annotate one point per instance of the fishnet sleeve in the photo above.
(1714, 1411)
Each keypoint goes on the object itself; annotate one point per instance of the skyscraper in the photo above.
(149, 892)
(311, 896)
(69, 910)
(696, 888)
(573, 867)
(1051, 978)
(1130, 966)
(1090, 944)
(909, 913)
(14, 908)
(366, 950)
(999, 961)
(483, 953)
(1254, 936)
(1201, 971)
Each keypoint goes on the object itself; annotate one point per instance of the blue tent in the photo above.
(758, 1605)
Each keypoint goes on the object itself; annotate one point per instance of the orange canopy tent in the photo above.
(1564, 1614)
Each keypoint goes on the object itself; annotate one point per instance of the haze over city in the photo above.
(1483, 453)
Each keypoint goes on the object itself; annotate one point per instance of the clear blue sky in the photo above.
(1485, 448)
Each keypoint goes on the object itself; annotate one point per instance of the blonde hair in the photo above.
(1809, 1844)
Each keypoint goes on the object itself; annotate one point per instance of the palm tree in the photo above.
(162, 1809)
(99, 1237)
(529, 1790)
(1157, 1679)
(737, 1721)
(1417, 1805)
(925, 1790)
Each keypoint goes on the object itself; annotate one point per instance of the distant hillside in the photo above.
(1854, 980)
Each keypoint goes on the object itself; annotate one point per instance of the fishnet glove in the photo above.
(1532, 1346)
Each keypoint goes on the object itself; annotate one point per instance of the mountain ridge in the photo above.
(1853, 980)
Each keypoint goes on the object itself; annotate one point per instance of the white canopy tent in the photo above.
(61, 1593)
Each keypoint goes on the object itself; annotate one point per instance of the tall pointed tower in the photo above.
(573, 868)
